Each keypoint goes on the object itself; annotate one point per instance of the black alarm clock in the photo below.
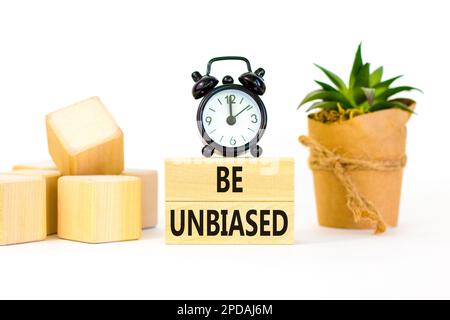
(231, 118)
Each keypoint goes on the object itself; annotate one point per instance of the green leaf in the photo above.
(365, 107)
(390, 105)
(383, 86)
(387, 83)
(334, 78)
(325, 96)
(363, 77)
(393, 91)
(323, 105)
(314, 95)
(357, 64)
(325, 86)
(376, 77)
(362, 81)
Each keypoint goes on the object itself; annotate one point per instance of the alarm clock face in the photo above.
(232, 118)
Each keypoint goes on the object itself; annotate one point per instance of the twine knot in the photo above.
(335, 162)
(324, 159)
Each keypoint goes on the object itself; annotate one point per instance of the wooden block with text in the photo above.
(230, 201)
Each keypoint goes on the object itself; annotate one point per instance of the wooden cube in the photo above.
(230, 201)
(149, 179)
(22, 209)
(98, 209)
(262, 179)
(51, 181)
(43, 165)
(84, 139)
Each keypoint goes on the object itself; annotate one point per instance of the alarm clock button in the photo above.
(228, 80)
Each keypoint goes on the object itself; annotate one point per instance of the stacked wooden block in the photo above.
(22, 209)
(230, 201)
(86, 195)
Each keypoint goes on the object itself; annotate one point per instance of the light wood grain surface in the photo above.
(98, 209)
(149, 180)
(23, 215)
(195, 179)
(40, 165)
(230, 207)
(192, 190)
(51, 181)
(84, 139)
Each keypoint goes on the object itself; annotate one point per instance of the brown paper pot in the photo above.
(374, 136)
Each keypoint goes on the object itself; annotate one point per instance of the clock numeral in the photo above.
(233, 141)
(208, 120)
(231, 99)
(254, 118)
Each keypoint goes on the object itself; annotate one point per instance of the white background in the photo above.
(138, 57)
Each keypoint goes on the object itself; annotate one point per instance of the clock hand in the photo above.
(246, 108)
(231, 120)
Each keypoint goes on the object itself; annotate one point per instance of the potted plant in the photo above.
(357, 137)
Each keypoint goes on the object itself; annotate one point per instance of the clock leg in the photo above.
(256, 151)
(207, 151)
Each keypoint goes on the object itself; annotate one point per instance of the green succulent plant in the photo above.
(365, 92)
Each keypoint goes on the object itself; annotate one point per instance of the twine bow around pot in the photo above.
(327, 160)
